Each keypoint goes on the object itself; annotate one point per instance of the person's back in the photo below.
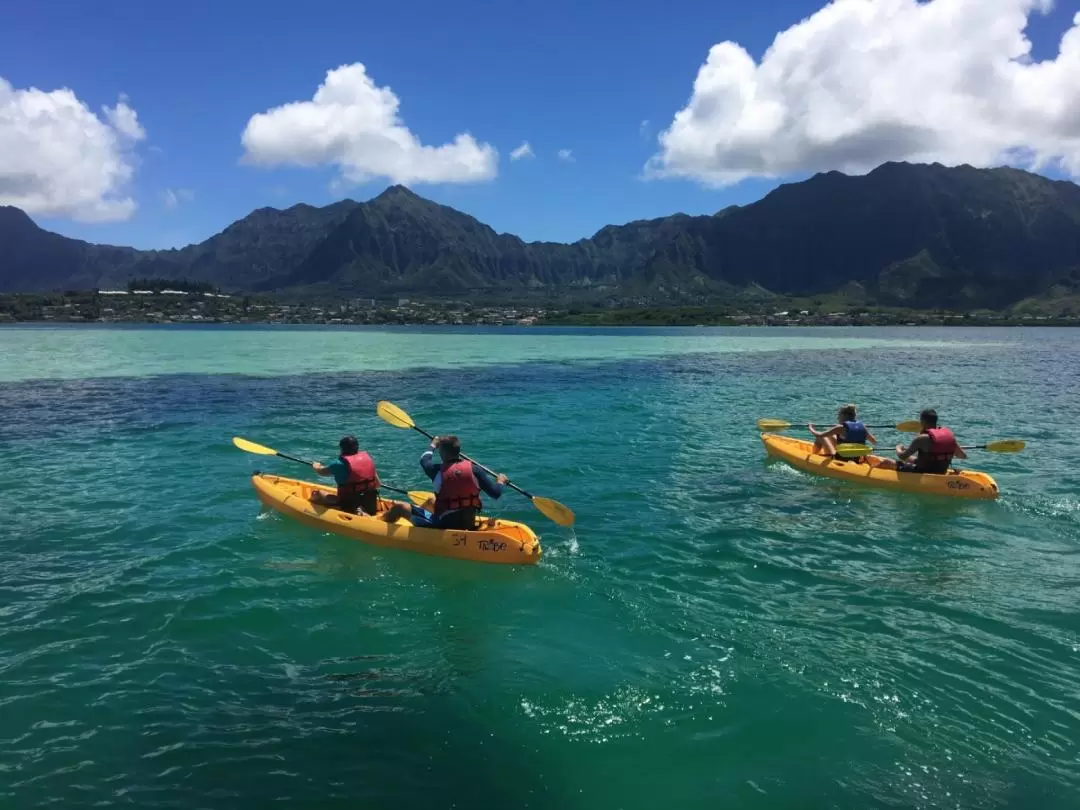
(457, 483)
(934, 449)
(849, 429)
(457, 495)
(854, 431)
(356, 478)
(360, 489)
(936, 454)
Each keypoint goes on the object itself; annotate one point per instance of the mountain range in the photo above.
(904, 234)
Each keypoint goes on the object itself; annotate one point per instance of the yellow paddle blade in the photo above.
(419, 497)
(389, 412)
(1006, 446)
(554, 511)
(772, 424)
(251, 447)
(914, 426)
(853, 450)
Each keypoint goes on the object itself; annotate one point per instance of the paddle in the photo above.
(417, 497)
(553, 510)
(1003, 446)
(777, 425)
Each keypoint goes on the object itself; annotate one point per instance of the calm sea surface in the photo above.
(715, 632)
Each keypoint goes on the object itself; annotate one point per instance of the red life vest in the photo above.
(459, 488)
(942, 447)
(362, 475)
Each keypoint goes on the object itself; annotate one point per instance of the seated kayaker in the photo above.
(848, 429)
(934, 449)
(357, 481)
(457, 483)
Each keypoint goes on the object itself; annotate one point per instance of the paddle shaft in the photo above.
(308, 464)
(492, 473)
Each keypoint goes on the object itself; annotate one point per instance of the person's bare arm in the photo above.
(917, 444)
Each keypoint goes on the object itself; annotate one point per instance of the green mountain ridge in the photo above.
(905, 234)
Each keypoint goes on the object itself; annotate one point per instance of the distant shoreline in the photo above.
(540, 326)
(198, 307)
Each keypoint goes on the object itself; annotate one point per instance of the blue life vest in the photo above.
(855, 433)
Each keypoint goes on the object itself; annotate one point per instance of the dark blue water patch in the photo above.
(53, 408)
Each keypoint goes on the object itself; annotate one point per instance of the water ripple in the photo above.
(751, 634)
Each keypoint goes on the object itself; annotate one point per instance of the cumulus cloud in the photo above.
(172, 197)
(354, 124)
(523, 151)
(60, 159)
(124, 120)
(566, 155)
(862, 82)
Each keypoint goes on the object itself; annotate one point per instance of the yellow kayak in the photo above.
(799, 453)
(498, 541)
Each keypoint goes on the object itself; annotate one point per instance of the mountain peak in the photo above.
(12, 216)
(397, 193)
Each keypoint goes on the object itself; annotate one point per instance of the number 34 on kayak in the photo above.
(845, 450)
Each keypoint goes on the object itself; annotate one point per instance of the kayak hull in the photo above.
(799, 453)
(499, 541)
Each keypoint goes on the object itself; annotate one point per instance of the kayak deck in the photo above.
(497, 541)
(799, 453)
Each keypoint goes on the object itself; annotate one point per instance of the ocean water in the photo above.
(717, 631)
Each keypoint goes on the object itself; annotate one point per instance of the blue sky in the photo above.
(559, 75)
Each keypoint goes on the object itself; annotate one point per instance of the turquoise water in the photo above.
(716, 631)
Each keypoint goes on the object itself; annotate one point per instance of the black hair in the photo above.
(929, 417)
(451, 443)
(349, 446)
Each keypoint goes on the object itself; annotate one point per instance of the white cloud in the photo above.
(862, 82)
(523, 151)
(59, 159)
(124, 120)
(172, 197)
(566, 155)
(355, 125)
(645, 128)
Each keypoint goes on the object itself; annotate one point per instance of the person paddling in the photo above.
(849, 429)
(934, 449)
(458, 484)
(356, 478)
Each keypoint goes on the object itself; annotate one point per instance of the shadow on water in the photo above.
(321, 746)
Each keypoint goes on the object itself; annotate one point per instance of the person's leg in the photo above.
(417, 516)
(369, 502)
(900, 466)
(422, 518)
(824, 446)
(462, 520)
(321, 498)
